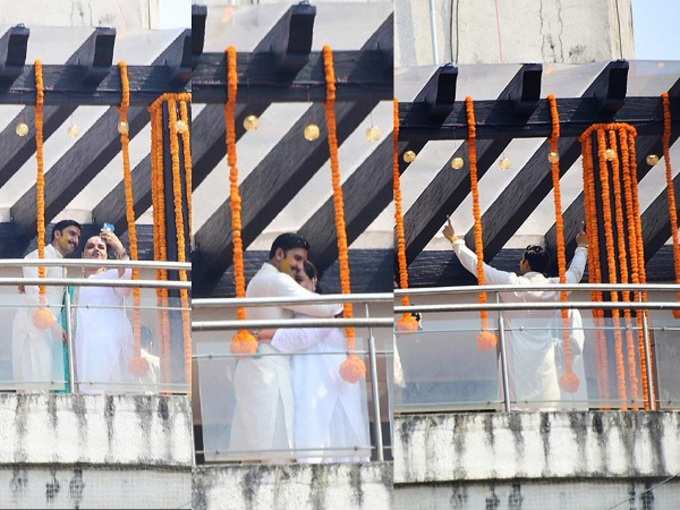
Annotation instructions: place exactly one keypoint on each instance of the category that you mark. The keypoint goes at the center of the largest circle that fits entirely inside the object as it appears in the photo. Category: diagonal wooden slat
(656, 225)
(17, 150)
(531, 184)
(90, 154)
(449, 188)
(366, 192)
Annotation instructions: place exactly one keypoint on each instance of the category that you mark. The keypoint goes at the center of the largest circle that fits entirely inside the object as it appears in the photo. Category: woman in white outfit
(103, 335)
(330, 417)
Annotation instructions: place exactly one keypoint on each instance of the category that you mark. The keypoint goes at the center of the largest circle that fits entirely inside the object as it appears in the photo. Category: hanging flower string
(486, 340)
(670, 189)
(243, 342)
(138, 365)
(43, 318)
(186, 148)
(623, 259)
(180, 229)
(160, 241)
(407, 322)
(569, 381)
(353, 368)
(595, 272)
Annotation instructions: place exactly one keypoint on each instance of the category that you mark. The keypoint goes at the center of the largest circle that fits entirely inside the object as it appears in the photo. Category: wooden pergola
(282, 68)
(519, 111)
(88, 77)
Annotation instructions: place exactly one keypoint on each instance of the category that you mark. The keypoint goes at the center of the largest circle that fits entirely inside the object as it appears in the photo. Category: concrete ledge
(540, 495)
(27, 486)
(531, 445)
(295, 486)
(95, 429)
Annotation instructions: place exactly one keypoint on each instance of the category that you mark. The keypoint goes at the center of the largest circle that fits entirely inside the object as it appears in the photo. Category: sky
(656, 26)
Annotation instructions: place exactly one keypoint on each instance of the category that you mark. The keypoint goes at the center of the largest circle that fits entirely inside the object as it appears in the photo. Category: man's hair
(61, 225)
(288, 241)
(537, 258)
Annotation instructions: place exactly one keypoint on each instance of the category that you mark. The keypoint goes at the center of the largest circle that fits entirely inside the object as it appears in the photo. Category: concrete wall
(298, 487)
(95, 451)
(53, 429)
(491, 31)
(594, 494)
(532, 445)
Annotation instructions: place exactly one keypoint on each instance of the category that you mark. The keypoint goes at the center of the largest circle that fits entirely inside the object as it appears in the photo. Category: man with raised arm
(263, 417)
(531, 336)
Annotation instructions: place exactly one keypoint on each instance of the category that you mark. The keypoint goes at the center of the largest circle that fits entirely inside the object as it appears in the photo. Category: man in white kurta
(37, 357)
(263, 416)
(532, 369)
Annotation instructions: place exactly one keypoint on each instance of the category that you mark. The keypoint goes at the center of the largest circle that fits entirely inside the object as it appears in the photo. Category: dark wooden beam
(531, 184)
(199, 13)
(95, 53)
(573, 215)
(656, 225)
(449, 187)
(366, 192)
(292, 45)
(13, 46)
(86, 158)
(270, 186)
(496, 118)
(360, 75)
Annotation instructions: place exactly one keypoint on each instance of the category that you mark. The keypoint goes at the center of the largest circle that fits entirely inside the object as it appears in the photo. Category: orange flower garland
(158, 194)
(670, 189)
(353, 368)
(486, 340)
(243, 341)
(43, 318)
(569, 381)
(160, 246)
(618, 206)
(595, 273)
(407, 322)
(138, 365)
(186, 148)
(634, 262)
(179, 228)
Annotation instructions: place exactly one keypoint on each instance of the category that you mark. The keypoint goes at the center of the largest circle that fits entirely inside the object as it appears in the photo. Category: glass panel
(440, 367)
(31, 359)
(283, 407)
(664, 334)
(104, 319)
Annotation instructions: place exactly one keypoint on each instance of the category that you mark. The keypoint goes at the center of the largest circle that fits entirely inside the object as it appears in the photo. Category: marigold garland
(407, 322)
(353, 368)
(158, 191)
(138, 365)
(594, 273)
(670, 189)
(632, 249)
(623, 258)
(186, 148)
(486, 340)
(568, 381)
(43, 318)
(243, 342)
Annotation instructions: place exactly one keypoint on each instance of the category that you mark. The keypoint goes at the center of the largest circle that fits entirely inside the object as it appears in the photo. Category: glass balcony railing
(288, 402)
(91, 334)
(624, 355)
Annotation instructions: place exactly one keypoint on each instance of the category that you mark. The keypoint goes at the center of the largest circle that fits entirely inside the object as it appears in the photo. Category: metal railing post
(505, 380)
(69, 343)
(648, 359)
(375, 391)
